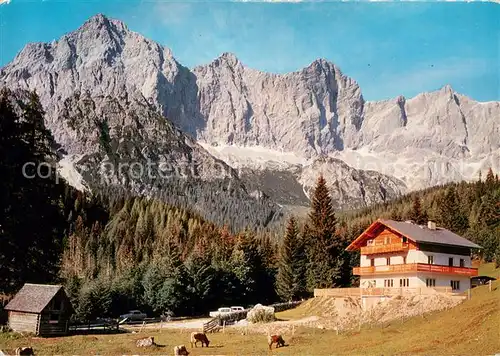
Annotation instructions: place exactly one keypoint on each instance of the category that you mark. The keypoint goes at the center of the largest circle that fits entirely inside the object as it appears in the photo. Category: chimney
(431, 225)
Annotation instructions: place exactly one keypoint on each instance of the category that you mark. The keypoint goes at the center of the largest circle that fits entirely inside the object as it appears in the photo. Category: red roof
(414, 232)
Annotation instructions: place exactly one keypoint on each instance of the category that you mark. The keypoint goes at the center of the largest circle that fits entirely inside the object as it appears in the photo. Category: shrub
(261, 314)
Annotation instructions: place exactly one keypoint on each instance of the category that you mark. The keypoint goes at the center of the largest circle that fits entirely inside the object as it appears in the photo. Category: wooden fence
(105, 325)
(359, 292)
(212, 325)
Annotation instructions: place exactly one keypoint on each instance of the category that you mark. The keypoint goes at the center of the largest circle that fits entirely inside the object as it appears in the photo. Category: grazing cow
(180, 351)
(146, 342)
(199, 337)
(275, 339)
(24, 351)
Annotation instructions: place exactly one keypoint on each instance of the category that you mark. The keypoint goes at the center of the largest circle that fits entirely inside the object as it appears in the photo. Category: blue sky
(390, 49)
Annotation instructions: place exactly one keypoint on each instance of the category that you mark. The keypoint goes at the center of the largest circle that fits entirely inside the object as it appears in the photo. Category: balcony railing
(412, 268)
(395, 247)
(357, 292)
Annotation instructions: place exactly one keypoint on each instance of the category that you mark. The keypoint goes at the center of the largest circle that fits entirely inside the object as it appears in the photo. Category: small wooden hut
(41, 309)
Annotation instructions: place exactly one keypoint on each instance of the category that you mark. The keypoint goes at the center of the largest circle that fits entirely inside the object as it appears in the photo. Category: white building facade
(405, 255)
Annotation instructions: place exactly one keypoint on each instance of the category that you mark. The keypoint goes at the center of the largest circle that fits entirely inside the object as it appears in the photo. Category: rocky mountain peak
(415, 142)
(226, 61)
(447, 89)
(228, 57)
(322, 63)
(100, 21)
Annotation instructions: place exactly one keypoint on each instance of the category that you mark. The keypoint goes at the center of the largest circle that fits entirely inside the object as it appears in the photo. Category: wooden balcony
(357, 292)
(413, 268)
(374, 249)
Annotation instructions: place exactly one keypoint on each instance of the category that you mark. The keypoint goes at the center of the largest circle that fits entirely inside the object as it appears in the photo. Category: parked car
(237, 309)
(219, 312)
(134, 315)
(479, 280)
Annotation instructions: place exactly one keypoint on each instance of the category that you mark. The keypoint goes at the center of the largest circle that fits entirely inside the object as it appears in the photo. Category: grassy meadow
(472, 328)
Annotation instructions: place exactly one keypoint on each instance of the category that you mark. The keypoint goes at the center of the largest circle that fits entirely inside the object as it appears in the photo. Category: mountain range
(251, 142)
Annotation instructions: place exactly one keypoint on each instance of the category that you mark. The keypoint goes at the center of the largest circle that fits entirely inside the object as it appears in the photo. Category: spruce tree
(416, 213)
(324, 247)
(490, 179)
(32, 217)
(450, 215)
(300, 267)
(286, 280)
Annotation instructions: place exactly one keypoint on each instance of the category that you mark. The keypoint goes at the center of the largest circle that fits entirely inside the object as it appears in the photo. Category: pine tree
(490, 179)
(450, 215)
(300, 267)
(201, 283)
(324, 247)
(489, 210)
(416, 213)
(32, 220)
(395, 215)
(322, 216)
(286, 280)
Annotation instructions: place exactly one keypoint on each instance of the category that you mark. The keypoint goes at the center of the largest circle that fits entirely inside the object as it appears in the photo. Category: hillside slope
(470, 328)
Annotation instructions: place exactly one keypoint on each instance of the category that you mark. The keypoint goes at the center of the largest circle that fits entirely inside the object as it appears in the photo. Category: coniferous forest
(115, 252)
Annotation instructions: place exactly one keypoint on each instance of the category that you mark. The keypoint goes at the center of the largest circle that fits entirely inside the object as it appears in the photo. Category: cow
(275, 339)
(24, 351)
(146, 342)
(180, 351)
(199, 337)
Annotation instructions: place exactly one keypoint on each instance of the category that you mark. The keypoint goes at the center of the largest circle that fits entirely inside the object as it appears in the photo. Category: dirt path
(185, 324)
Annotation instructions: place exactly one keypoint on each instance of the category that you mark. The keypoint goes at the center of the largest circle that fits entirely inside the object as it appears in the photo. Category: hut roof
(33, 298)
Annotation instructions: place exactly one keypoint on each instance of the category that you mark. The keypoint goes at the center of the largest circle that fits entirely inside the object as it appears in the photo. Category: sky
(389, 48)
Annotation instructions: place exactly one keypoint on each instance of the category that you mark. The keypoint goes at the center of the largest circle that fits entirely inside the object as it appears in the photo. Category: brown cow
(275, 339)
(180, 351)
(199, 337)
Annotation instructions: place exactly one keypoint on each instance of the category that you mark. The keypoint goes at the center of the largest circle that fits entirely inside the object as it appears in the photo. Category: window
(404, 239)
(372, 262)
(388, 261)
(369, 242)
(53, 318)
(404, 282)
(430, 260)
(388, 283)
(450, 261)
(387, 240)
(455, 285)
(462, 262)
(430, 282)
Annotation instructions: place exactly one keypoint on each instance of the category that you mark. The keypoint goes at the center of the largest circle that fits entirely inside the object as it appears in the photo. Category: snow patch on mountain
(67, 170)
(275, 129)
(256, 157)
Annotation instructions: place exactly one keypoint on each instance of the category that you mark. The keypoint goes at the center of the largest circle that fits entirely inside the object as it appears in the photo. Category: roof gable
(33, 298)
(414, 232)
(421, 233)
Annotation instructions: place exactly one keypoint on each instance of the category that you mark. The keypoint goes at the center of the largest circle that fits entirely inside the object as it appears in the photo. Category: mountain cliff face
(294, 126)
